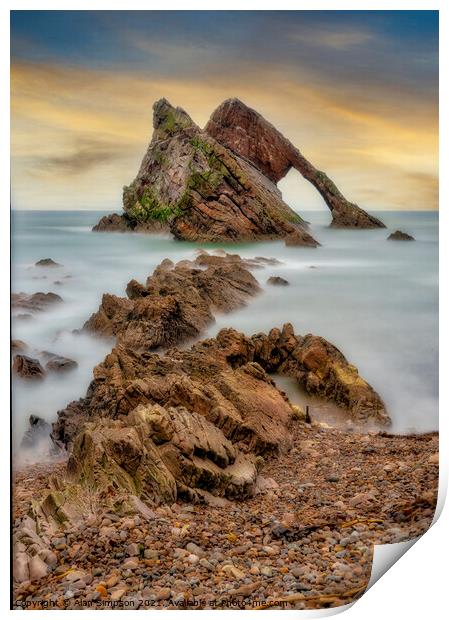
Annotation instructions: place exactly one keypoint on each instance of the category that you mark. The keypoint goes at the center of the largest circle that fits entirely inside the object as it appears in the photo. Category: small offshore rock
(398, 235)
(278, 281)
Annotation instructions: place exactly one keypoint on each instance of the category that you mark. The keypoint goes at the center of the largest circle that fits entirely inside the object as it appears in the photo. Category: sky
(355, 91)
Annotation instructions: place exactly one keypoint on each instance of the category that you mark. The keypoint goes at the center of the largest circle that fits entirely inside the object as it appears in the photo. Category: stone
(398, 235)
(21, 571)
(37, 568)
(277, 281)
(47, 262)
(18, 345)
(36, 302)
(117, 595)
(58, 363)
(164, 594)
(27, 368)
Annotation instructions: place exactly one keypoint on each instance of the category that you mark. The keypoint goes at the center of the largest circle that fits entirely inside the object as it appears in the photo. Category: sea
(376, 300)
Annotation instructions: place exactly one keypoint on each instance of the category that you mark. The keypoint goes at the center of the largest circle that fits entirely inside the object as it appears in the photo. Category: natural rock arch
(245, 132)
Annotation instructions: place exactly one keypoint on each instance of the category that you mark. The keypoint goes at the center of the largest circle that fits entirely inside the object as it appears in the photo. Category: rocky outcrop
(277, 281)
(122, 223)
(59, 363)
(36, 302)
(200, 190)
(176, 303)
(47, 262)
(176, 422)
(27, 367)
(398, 235)
(161, 455)
(246, 133)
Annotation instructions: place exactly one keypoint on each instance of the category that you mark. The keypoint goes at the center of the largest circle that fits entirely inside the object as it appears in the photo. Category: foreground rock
(186, 422)
(27, 367)
(177, 302)
(246, 133)
(36, 302)
(198, 189)
(398, 235)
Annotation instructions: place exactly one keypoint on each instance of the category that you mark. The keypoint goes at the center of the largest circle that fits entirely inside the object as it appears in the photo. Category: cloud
(87, 154)
(340, 40)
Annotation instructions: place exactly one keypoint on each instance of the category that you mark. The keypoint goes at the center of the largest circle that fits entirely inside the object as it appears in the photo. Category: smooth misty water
(375, 300)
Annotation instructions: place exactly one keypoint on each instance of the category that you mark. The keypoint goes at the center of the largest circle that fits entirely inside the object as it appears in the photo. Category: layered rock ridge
(177, 302)
(246, 133)
(187, 422)
(199, 190)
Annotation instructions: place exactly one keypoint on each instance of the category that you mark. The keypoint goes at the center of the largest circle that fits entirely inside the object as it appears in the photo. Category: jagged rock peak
(168, 120)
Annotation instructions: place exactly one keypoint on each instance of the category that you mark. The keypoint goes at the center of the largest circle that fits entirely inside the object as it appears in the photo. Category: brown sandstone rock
(245, 132)
(27, 367)
(177, 302)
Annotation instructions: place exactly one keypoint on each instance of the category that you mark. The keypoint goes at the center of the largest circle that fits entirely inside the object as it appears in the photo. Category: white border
(414, 587)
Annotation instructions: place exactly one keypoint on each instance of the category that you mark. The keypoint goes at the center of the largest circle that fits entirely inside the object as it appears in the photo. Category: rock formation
(177, 302)
(398, 235)
(277, 281)
(47, 262)
(37, 431)
(170, 424)
(246, 133)
(199, 190)
(59, 363)
(27, 367)
(37, 301)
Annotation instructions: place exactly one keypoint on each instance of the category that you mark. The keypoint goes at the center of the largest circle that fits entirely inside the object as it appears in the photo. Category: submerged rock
(37, 301)
(58, 363)
(27, 367)
(47, 262)
(277, 281)
(116, 222)
(398, 235)
(18, 345)
(246, 133)
(200, 190)
(38, 430)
